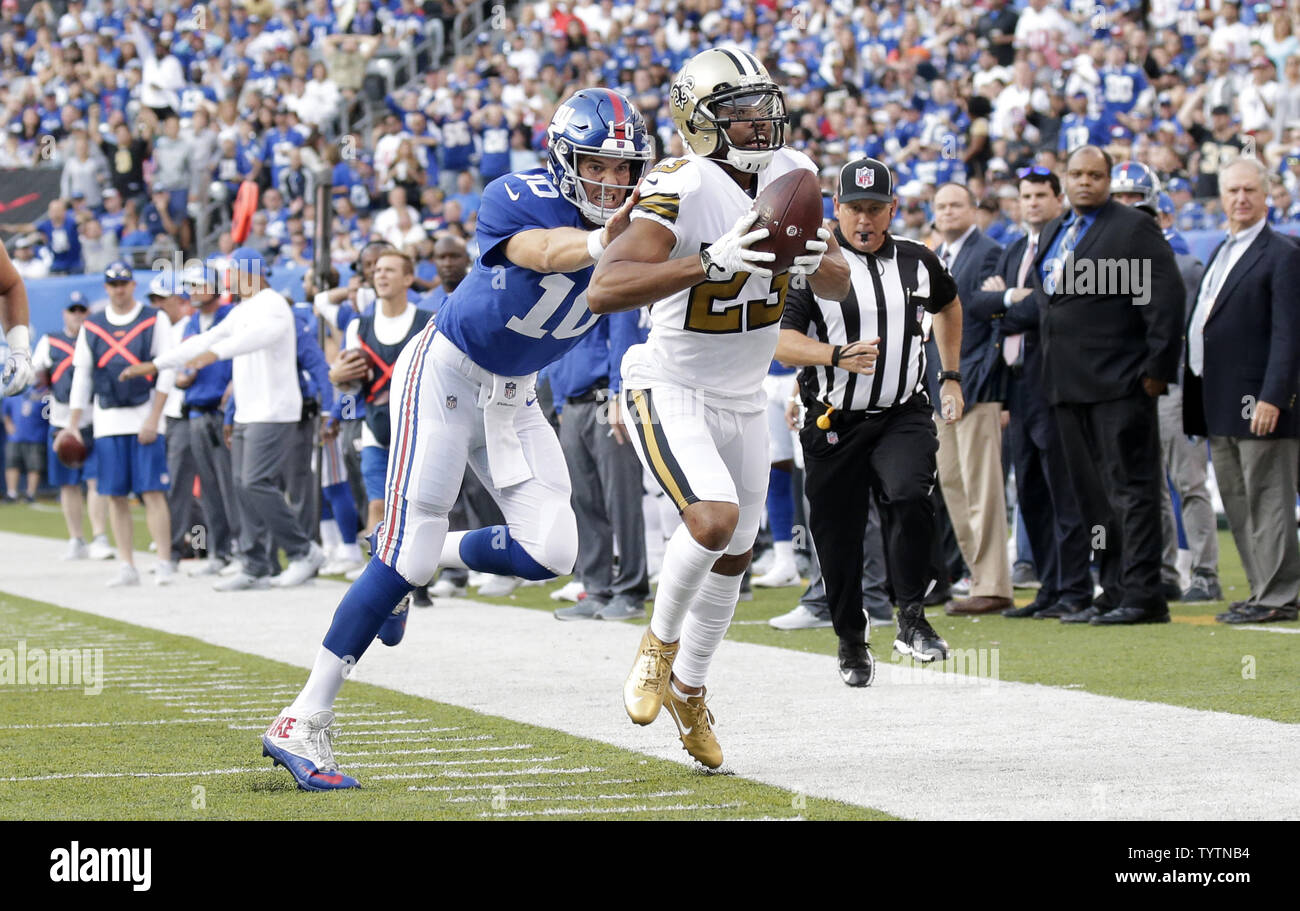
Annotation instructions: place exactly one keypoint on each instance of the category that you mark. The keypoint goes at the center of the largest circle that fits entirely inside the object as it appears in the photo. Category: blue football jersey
(509, 320)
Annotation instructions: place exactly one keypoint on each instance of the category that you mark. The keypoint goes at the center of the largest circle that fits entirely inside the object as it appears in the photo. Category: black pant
(892, 455)
(1112, 451)
(1056, 531)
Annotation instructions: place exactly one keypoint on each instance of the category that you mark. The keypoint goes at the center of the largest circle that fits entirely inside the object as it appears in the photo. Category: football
(791, 209)
(70, 450)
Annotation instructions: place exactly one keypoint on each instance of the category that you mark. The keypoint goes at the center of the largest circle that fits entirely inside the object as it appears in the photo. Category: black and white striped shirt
(891, 291)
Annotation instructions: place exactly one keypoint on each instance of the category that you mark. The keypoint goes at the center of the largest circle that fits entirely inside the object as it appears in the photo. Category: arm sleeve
(799, 308)
(509, 206)
(312, 359)
(261, 331)
(162, 342)
(195, 345)
(41, 354)
(82, 366)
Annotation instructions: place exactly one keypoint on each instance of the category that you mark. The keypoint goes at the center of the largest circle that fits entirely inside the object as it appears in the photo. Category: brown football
(70, 450)
(790, 207)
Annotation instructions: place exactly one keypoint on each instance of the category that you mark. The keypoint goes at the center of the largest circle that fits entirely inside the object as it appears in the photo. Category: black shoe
(1203, 588)
(1058, 610)
(1259, 613)
(1087, 615)
(857, 667)
(916, 637)
(420, 597)
(1126, 616)
(1032, 609)
(1173, 591)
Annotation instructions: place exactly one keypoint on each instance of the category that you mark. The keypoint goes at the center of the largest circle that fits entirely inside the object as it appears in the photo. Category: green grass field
(176, 737)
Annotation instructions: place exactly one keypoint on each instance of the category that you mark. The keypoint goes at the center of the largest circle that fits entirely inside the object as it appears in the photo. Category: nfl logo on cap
(865, 178)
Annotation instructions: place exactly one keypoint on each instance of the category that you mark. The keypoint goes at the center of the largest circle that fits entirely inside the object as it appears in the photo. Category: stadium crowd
(154, 109)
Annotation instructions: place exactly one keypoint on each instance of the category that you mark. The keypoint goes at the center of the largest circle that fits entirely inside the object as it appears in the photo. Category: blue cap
(1119, 132)
(77, 299)
(1164, 205)
(1178, 183)
(248, 260)
(118, 271)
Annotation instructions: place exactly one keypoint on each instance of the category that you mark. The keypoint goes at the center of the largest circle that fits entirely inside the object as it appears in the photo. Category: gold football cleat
(695, 724)
(643, 694)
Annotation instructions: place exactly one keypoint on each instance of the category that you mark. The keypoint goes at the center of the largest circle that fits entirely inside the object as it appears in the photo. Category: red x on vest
(66, 362)
(385, 371)
(119, 347)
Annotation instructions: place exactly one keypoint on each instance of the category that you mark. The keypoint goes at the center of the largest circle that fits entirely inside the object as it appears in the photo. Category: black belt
(838, 418)
(192, 410)
(594, 394)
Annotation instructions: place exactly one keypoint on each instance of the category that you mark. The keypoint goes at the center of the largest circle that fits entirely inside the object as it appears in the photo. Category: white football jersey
(716, 337)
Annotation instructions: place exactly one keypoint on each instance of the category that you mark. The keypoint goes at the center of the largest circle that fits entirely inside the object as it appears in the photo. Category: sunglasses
(1038, 169)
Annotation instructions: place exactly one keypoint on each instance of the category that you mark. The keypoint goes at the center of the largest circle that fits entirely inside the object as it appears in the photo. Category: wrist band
(594, 246)
(835, 355)
(19, 339)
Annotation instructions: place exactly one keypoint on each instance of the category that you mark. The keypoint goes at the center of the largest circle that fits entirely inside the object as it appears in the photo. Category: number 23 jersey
(513, 321)
(715, 337)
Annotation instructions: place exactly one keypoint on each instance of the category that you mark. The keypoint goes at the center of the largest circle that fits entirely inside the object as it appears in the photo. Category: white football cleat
(572, 590)
(233, 568)
(445, 588)
(305, 746)
(778, 576)
(300, 570)
(242, 581)
(499, 586)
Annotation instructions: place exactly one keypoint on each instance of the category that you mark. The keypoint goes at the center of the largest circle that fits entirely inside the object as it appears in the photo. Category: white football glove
(810, 261)
(18, 373)
(730, 253)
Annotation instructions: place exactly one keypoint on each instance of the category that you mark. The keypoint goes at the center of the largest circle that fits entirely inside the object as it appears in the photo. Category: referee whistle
(824, 420)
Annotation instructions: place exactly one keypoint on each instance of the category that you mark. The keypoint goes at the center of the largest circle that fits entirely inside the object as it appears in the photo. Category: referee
(868, 428)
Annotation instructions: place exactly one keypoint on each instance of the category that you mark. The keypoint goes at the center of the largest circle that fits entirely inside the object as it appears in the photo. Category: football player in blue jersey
(462, 392)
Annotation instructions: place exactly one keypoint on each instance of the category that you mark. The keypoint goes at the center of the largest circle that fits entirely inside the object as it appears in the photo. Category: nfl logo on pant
(451, 402)
(510, 390)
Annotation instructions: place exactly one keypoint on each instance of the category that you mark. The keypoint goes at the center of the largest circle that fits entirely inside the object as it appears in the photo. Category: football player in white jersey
(694, 390)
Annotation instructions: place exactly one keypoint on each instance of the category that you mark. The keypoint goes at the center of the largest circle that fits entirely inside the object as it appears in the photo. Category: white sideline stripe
(352, 733)
(1014, 751)
(645, 808)
(458, 774)
(481, 798)
(1270, 629)
(433, 750)
(524, 784)
(66, 775)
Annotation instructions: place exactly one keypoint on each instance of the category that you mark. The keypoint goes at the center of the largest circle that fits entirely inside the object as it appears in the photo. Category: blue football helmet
(1165, 205)
(595, 122)
(1135, 177)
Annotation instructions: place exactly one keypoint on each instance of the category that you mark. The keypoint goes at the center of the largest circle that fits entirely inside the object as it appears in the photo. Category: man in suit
(1184, 460)
(1240, 387)
(970, 449)
(1110, 301)
(1052, 517)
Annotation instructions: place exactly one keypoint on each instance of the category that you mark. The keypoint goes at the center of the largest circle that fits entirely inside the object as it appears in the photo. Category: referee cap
(865, 178)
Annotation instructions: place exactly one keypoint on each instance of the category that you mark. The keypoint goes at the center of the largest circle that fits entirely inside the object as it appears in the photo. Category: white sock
(330, 537)
(327, 676)
(686, 563)
(706, 625)
(451, 551)
(350, 552)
